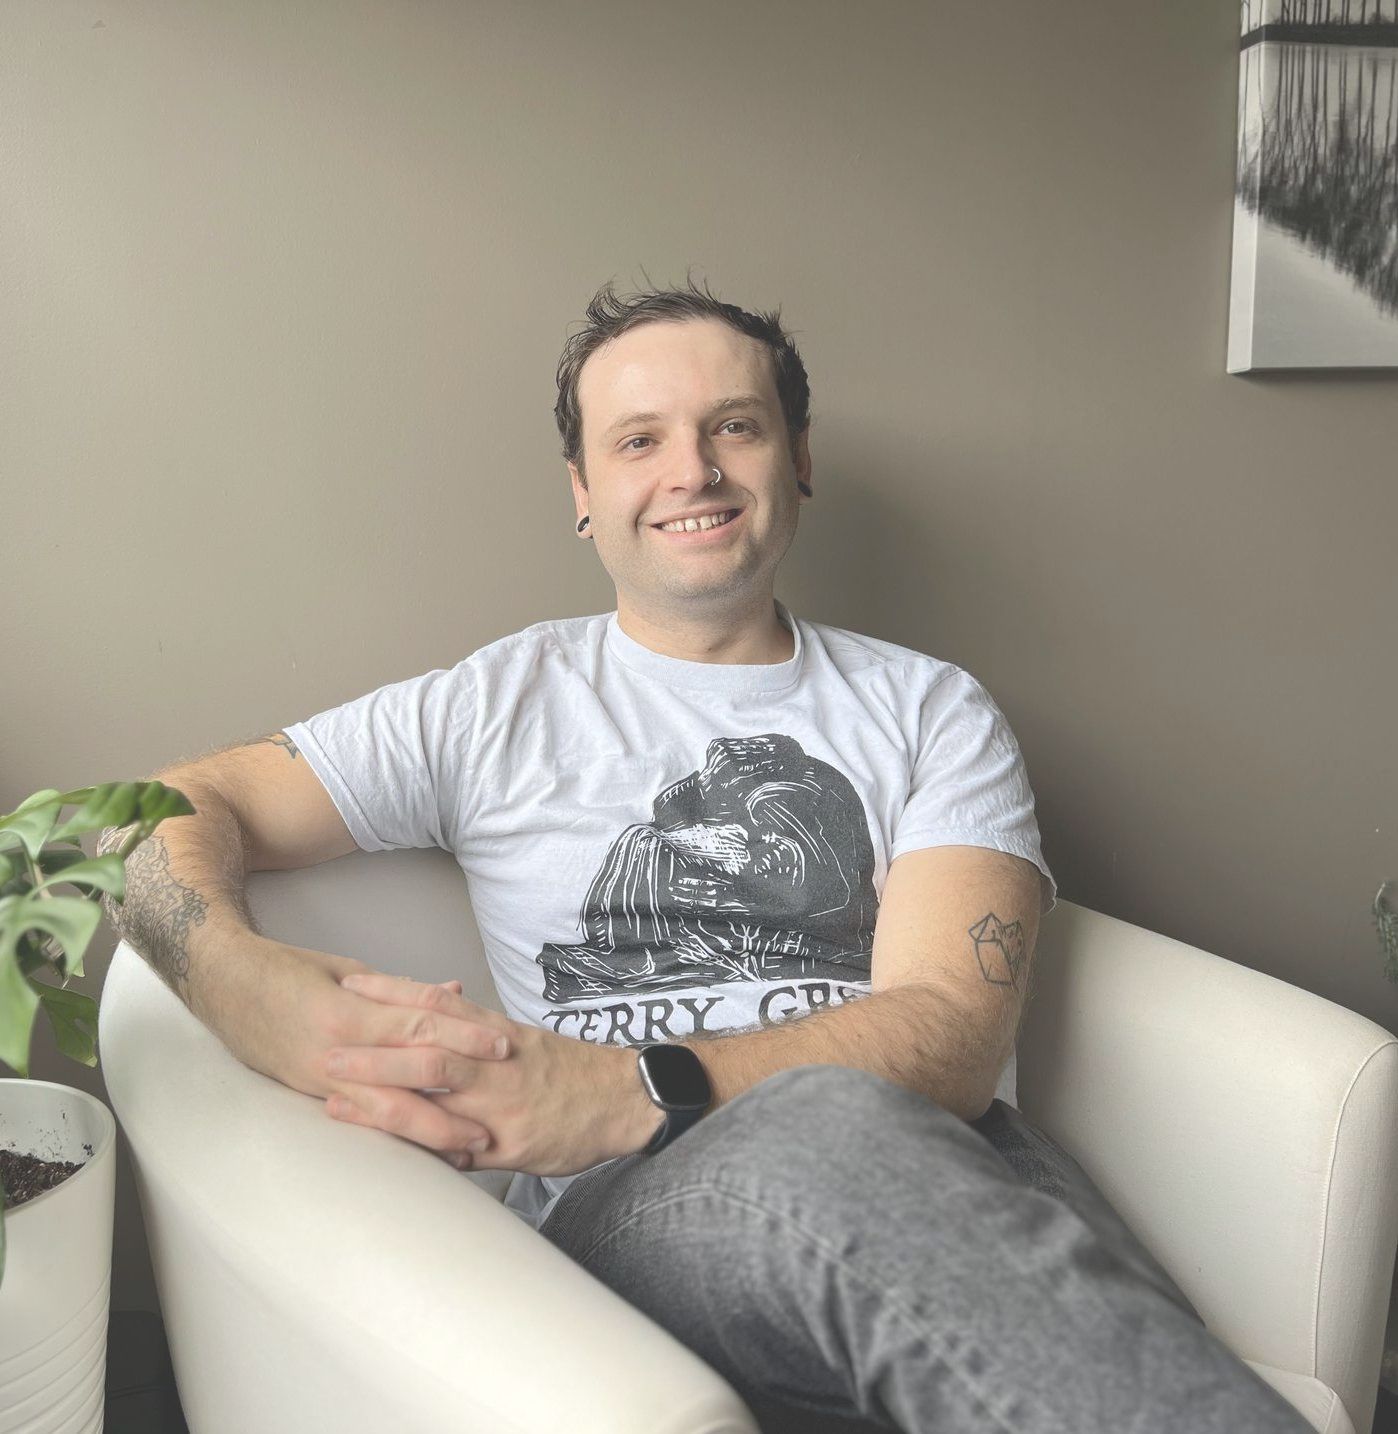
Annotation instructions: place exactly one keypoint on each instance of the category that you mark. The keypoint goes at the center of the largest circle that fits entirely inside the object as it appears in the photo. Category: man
(760, 898)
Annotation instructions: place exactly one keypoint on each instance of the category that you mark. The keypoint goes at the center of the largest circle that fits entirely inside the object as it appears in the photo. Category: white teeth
(695, 525)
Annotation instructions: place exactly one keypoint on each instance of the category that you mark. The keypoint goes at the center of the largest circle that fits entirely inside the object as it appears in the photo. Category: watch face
(677, 1075)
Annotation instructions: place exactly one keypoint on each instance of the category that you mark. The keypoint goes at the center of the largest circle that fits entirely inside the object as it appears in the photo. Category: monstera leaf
(45, 933)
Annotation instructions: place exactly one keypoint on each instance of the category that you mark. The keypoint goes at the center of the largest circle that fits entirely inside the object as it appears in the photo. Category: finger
(409, 1067)
(406, 991)
(489, 1031)
(471, 1144)
(415, 1118)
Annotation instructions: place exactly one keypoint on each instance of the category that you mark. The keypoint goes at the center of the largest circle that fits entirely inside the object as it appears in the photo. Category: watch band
(674, 1125)
(674, 1078)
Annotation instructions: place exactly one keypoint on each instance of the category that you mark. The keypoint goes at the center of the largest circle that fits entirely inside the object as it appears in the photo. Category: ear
(803, 459)
(580, 494)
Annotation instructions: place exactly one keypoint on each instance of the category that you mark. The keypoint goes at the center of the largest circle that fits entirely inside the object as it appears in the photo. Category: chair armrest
(1245, 1129)
(322, 1276)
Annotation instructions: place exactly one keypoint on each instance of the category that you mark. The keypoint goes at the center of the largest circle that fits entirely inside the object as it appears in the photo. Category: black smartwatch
(675, 1079)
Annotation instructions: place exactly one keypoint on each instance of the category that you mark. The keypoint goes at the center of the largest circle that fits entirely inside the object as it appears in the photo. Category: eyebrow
(737, 400)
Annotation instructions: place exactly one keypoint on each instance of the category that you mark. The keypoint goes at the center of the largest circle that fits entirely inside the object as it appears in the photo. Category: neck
(752, 635)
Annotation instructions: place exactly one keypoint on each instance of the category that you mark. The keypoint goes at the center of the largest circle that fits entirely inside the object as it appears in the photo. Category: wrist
(223, 972)
(633, 1115)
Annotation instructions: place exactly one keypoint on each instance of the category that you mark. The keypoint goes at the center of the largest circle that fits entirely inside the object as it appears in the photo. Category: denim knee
(808, 1128)
(827, 1081)
(806, 1097)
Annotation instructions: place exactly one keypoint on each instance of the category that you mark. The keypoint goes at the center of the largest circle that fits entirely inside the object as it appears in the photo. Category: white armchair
(317, 1276)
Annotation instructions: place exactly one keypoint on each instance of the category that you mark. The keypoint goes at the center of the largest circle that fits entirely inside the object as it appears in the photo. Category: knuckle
(454, 1147)
(506, 1151)
(422, 1029)
(340, 1020)
(332, 1023)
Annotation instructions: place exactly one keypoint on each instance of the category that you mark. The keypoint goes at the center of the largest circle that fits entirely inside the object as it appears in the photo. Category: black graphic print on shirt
(757, 868)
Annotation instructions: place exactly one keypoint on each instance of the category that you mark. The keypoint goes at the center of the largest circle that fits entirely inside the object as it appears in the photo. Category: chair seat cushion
(1317, 1403)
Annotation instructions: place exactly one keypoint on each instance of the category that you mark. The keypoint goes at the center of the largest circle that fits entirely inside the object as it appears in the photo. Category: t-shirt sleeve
(969, 785)
(395, 761)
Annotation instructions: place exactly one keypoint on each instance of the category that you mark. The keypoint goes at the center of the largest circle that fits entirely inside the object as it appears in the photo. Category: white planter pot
(56, 1290)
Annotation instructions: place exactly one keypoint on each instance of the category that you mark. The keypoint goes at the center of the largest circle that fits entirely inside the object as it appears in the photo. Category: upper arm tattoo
(999, 950)
(279, 739)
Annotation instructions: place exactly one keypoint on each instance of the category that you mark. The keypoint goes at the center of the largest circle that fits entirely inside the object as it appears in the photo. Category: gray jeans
(852, 1257)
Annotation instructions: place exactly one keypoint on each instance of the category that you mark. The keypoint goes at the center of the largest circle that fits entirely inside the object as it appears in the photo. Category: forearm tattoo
(159, 911)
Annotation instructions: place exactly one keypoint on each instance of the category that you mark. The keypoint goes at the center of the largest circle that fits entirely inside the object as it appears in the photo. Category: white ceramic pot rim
(106, 1123)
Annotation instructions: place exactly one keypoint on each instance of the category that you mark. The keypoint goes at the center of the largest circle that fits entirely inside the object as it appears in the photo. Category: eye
(641, 438)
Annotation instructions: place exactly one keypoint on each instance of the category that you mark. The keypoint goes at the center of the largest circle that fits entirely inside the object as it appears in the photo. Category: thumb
(451, 985)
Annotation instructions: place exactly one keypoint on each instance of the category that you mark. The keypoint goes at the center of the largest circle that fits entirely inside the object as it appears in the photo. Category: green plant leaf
(18, 999)
(73, 1017)
(72, 919)
(36, 799)
(112, 804)
(69, 849)
(32, 954)
(159, 801)
(118, 804)
(108, 873)
(42, 931)
(32, 820)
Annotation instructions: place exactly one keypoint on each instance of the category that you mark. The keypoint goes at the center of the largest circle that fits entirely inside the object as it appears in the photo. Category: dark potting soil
(25, 1176)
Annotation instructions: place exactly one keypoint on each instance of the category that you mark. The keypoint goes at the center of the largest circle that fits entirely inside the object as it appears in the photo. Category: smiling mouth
(729, 516)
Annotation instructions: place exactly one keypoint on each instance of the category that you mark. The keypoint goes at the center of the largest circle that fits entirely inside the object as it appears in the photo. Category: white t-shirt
(654, 846)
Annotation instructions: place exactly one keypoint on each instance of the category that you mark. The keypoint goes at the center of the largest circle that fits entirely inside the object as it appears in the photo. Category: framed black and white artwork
(1315, 214)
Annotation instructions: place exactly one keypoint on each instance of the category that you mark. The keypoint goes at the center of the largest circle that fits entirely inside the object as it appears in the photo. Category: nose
(698, 475)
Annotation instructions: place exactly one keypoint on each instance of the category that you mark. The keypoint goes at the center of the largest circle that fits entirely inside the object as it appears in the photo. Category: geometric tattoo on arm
(999, 949)
(280, 740)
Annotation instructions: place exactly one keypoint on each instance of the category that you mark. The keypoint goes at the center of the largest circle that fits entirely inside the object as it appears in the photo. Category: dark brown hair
(608, 316)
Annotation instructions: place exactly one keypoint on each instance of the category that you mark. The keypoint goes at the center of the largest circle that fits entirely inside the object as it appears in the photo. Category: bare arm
(258, 807)
(278, 1008)
(953, 945)
(186, 894)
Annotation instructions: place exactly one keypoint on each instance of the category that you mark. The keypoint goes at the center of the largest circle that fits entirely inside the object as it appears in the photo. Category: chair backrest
(404, 912)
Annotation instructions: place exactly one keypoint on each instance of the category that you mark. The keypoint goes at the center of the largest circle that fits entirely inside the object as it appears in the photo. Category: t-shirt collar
(718, 677)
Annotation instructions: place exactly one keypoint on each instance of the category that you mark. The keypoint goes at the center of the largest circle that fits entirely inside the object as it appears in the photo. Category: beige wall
(285, 286)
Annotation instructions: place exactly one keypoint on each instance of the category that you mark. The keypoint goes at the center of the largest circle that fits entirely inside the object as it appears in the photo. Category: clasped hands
(545, 1103)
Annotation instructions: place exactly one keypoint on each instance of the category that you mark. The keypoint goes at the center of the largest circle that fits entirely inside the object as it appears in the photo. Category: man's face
(646, 470)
